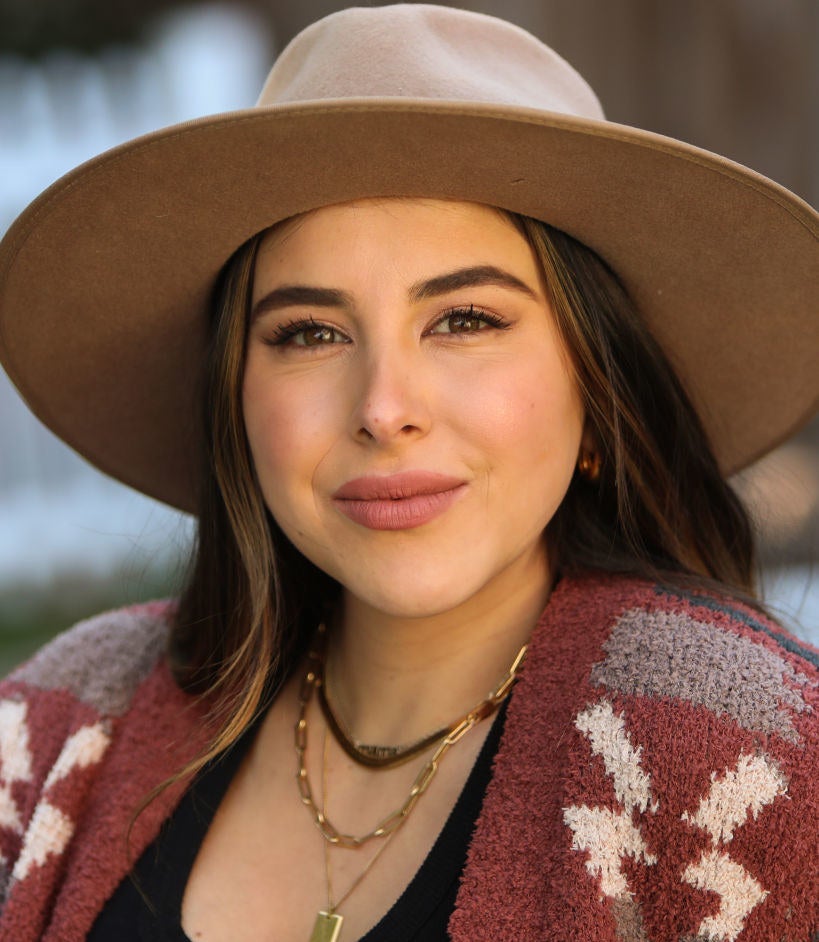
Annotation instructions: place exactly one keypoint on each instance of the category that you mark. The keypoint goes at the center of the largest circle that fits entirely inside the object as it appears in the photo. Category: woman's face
(411, 411)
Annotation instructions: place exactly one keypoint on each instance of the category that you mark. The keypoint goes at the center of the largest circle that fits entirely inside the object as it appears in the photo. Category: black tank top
(147, 905)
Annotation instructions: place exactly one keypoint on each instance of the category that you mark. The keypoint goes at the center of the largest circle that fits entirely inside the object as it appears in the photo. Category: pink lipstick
(398, 501)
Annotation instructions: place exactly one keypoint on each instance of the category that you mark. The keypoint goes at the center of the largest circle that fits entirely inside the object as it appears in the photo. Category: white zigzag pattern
(608, 836)
(608, 738)
(49, 833)
(739, 892)
(50, 829)
(739, 794)
(15, 760)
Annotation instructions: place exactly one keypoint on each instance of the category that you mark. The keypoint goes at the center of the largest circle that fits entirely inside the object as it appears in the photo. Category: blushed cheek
(268, 431)
(288, 434)
(522, 413)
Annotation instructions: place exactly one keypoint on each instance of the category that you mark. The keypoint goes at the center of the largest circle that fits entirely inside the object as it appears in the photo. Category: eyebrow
(473, 277)
(300, 296)
(308, 296)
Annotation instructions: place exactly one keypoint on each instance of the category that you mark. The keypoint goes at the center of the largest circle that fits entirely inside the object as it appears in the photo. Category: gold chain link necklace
(379, 756)
(328, 922)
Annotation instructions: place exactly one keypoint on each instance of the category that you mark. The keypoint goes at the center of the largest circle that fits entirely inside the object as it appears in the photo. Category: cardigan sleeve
(58, 713)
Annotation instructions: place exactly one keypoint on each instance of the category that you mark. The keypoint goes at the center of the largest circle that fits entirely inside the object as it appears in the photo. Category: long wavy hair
(660, 508)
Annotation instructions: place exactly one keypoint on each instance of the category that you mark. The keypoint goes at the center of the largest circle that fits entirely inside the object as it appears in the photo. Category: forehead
(396, 231)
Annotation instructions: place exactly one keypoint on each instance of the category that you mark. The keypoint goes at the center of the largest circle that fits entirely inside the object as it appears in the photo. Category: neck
(394, 678)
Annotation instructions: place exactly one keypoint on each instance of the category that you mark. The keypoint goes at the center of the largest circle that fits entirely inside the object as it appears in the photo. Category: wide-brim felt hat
(105, 278)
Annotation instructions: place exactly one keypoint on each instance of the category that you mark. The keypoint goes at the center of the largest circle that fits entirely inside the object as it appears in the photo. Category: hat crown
(423, 51)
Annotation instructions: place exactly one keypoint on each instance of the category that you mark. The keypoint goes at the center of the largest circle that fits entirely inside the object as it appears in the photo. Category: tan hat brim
(104, 280)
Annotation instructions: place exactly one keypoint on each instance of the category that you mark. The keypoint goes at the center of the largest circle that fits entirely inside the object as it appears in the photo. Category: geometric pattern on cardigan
(655, 780)
(50, 829)
(608, 836)
(67, 699)
(684, 777)
(102, 660)
(57, 667)
(671, 654)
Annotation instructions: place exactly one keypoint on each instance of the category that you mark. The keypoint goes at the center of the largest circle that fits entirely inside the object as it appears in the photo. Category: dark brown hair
(660, 508)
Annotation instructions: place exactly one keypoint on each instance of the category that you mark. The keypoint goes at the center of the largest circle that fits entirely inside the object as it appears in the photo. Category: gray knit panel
(101, 661)
(670, 654)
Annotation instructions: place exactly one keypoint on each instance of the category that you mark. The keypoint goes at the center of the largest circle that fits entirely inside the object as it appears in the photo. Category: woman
(443, 455)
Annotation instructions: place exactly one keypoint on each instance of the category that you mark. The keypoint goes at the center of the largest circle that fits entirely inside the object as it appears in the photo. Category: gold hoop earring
(588, 465)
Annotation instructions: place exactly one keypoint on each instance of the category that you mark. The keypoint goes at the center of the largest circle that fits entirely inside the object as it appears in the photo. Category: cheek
(284, 433)
(532, 412)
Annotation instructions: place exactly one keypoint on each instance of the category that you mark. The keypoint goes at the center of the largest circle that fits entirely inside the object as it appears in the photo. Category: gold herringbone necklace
(372, 756)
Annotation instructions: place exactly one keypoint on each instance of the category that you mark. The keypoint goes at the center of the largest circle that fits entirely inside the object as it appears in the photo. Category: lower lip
(404, 514)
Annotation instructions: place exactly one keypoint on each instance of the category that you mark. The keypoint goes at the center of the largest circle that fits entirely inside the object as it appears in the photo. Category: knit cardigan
(656, 780)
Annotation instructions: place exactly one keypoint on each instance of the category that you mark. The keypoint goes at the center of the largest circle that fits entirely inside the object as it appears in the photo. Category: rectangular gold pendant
(327, 927)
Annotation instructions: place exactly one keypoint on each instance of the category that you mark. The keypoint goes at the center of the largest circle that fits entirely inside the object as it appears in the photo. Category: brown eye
(467, 321)
(306, 333)
(462, 322)
(314, 336)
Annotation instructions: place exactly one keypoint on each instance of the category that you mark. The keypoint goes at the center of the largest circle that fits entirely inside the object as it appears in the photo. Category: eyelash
(486, 317)
(283, 334)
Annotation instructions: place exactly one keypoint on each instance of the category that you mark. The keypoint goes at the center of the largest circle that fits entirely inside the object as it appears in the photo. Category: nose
(393, 399)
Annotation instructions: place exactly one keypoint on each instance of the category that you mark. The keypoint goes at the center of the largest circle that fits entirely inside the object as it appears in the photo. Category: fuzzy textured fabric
(657, 779)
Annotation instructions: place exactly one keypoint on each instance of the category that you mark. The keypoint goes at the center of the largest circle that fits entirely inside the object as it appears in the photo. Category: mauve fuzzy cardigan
(656, 780)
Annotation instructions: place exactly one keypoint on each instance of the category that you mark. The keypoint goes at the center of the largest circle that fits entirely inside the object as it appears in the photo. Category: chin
(408, 599)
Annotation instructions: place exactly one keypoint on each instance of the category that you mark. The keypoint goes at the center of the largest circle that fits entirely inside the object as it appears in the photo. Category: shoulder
(100, 661)
(705, 649)
(689, 659)
(671, 641)
(697, 730)
(58, 710)
(88, 727)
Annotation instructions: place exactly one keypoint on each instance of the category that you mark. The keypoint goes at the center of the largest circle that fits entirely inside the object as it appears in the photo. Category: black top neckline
(146, 907)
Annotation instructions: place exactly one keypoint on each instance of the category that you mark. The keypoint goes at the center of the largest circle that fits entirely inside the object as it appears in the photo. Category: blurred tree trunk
(740, 77)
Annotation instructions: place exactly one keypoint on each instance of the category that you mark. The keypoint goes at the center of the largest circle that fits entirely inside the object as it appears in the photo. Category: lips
(399, 501)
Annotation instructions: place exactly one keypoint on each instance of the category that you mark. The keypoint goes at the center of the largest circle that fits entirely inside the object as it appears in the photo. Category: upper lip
(396, 486)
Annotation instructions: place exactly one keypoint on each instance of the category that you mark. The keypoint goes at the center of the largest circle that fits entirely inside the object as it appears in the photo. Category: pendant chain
(333, 904)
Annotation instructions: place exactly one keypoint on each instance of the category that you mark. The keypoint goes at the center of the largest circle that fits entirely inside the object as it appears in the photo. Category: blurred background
(740, 77)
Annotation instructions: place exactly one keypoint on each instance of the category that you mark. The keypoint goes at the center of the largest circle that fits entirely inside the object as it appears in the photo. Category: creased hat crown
(421, 52)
